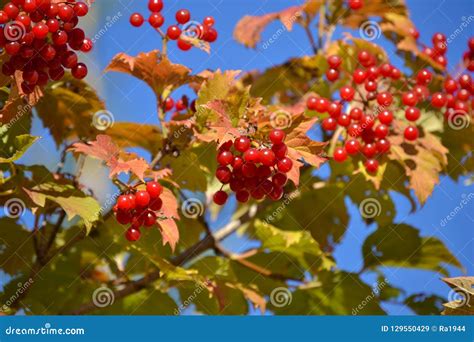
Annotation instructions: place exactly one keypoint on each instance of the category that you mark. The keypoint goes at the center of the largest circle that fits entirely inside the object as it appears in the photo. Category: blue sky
(130, 100)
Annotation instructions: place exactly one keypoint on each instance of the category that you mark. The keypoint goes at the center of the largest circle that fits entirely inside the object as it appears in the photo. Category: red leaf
(170, 233)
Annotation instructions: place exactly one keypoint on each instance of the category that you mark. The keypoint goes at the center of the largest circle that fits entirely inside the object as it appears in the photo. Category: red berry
(60, 38)
(183, 45)
(356, 114)
(344, 120)
(450, 86)
(220, 197)
(136, 19)
(383, 146)
(173, 32)
(79, 71)
(41, 30)
(237, 163)
(438, 38)
(384, 99)
(423, 77)
(252, 155)
(154, 189)
(81, 9)
(414, 32)
(142, 199)
(65, 13)
(242, 144)
(412, 113)
(208, 21)
(411, 133)
(381, 131)
(225, 158)
(370, 85)
(149, 219)
(334, 61)
(335, 109)
(347, 93)
(11, 10)
(280, 150)
(396, 74)
(332, 74)
(209, 35)
(329, 124)
(352, 146)
(438, 100)
(267, 157)
(242, 196)
(465, 81)
(285, 165)
(249, 170)
(223, 174)
(183, 16)
(155, 5)
(132, 234)
(371, 165)
(156, 204)
(369, 150)
(276, 194)
(279, 179)
(386, 70)
(126, 202)
(321, 105)
(277, 136)
(385, 117)
(364, 57)
(156, 19)
(356, 4)
(123, 217)
(359, 76)
(409, 98)
(340, 154)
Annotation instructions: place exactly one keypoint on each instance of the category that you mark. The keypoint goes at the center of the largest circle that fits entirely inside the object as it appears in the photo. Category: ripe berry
(359, 76)
(276, 194)
(321, 105)
(249, 170)
(132, 234)
(371, 165)
(356, 113)
(156, 204)
(123, 217)
(155, 5)
(79, 71)
(173, 32)
(149, 219)
(381, 131)
(279, 179)
(411, 133)
(334, 109)
(356, 4)
(334, 61)
(11, 10)
(409, 98)
(347, 93)
(126, 202)
(369, 150)
(329, 124)
(237, 163)
(285, 165)
(220, 197)
(352, 146)
(142, 199)
(370, 85)
(156, 20)
(267, 157)
(154, 189)
(208, 21)
(242, 144)
(252, 155)
(344, 120)
(41, 30)
(183, 16)
(332, 74)
(438, 38)
(65, 13)
(183, 45)
(424, 77)
(209, 35)
(384, 99)
(136, 19)
(242, 196)
(450, 85)
(383, 146)
(280, 150)
(225, 158)
(223, 174)
(412, 113)
(438, 100)
(340, 154)
(277, 136)
(385, 117)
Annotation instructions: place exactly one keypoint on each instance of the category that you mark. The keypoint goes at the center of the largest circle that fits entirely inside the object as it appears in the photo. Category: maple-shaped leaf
(249, 29)
(169, 232)
(423, 160)
(462, 298)
(220, 128)
(153, 68)
(170, 204)
(103, 148)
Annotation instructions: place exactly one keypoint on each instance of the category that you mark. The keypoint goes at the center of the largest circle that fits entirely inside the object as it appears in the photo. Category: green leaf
(187, 170)
(16, 247)
(402, 246)
(20, 145)
(423, 304)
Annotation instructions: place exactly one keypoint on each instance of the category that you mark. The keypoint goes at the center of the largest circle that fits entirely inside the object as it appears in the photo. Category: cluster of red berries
(139, 209)
(40, 37)
(457, 97)
(468, 56)
(179, 106)
(355, 4)
(438, 52)
(183, 29)
(253, 172)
